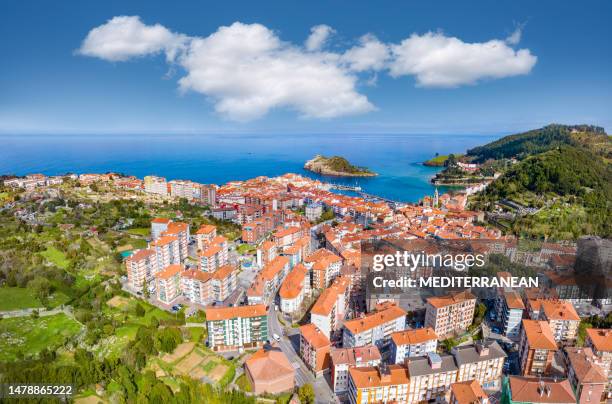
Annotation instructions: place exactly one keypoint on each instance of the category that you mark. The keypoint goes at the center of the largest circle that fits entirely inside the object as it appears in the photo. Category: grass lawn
(56, 257)
(243, 383)
(30, 336)
(196, 334)
(145, 231)
(17, 298)
(245, 249)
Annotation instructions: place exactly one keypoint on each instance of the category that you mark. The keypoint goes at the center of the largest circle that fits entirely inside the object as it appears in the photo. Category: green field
(17, 298)
(56, 257)
(145, 231)
(29, 336)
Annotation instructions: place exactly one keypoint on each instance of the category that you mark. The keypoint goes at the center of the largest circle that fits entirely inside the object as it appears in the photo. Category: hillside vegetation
(547, 138)
(564, 177)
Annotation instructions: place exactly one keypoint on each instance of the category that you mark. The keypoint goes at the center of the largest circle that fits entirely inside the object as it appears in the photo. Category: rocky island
(336, 166)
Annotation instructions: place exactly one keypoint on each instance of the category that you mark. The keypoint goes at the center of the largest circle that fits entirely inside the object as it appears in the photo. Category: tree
(306, 394)
(139, 310)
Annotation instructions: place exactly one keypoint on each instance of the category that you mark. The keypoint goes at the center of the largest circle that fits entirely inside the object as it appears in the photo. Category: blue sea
(221, 158)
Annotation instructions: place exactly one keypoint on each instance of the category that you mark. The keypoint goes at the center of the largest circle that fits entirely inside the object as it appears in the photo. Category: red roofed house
(468, 392)
(269, 371)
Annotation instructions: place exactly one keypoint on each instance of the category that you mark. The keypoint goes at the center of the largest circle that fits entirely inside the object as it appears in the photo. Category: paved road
(289, 345)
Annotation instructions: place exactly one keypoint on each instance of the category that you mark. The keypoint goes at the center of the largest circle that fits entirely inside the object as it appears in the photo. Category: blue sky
(384, 66)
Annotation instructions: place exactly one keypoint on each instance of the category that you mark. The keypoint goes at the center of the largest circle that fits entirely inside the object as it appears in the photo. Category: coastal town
(284, 291)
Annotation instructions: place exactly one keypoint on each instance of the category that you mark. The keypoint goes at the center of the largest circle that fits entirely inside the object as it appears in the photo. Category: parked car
(276, 337)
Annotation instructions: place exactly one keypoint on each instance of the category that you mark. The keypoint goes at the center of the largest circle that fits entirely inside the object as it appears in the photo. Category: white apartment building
(141, 267)
(184, 189)
(155, 185)
(385, 384)
(232, 328)
(167, 250)
(330, 308)
(562, 318)
(158, 226)
(412, 343)
(512, 309)
(293, 290)
(450, 314)
(481, 361)
(375, 328)
(343, 359)
(168, 283)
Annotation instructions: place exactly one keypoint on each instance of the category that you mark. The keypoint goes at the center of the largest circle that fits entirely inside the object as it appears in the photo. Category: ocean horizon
(217, 159)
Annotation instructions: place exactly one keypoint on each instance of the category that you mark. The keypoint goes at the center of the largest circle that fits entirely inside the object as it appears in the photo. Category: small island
(336, 166)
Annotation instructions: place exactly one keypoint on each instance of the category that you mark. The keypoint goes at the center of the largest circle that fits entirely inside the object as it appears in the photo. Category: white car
(276, 337)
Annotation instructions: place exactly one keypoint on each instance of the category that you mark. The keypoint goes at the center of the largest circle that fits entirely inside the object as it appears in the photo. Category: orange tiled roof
(559, 310)
(227, 313)
(269, 364)
(539, 335)
(195, 274)
(210, 251)
(416, 336)
(164, 240)
(468, 392)
(390, 313)
(206, 229)
(293, 283)
(314, 336)
(368, 377)
(177, 227)
(140, 255)
(448, 300)
(601, 338)
(223, 272)
(169, 271)
(528, 390)
(161, 220)
(513, 300)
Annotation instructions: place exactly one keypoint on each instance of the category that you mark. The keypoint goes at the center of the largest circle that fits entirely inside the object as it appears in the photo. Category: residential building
(330, 308)
(343, 359)
(141, 266)
(468, 392)
(430, 377)
(168, 283)
(179, 230)
(197, 286)
(412, 343)
(314, 211)
(167, 250)
(562, 318)
(266, 253)
(213, 257)
(287, 236)
(268, 281)
(587, 378)
(155, 185)
(482, 361)
(324, 266)
(294, 289)
(184, 189)
(512, 309)
(384, 384)
(314, 349)
(158, 226)
(269, 371)
(223, 282)
(600, 341)
(537, 348)
(233, 328)
(536, 390)
(208, 194)
(204, 236)
(374, 328)
(450, 314)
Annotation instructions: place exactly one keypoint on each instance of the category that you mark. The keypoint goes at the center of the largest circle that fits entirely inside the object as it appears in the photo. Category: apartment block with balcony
(600, 341)
(374, 328)
(482, 361)
(562, 318)
(196, 286)
(343, 359)
(155, 185)
(179, 230)
(383, 384)
(167, 250)
(537, 348)
(587, 378)
(412, 343)
(512, 310)
(431, 377)
(294, 289)
(205, 235)
(168, 284)
(450, 314)
(468, 392)
(141, 267)
(315, 349)
(234, 328)
(158, 226)
(330, 308)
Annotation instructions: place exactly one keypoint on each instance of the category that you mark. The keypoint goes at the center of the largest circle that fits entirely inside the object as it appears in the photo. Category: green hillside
(571, 188)
(540, 140)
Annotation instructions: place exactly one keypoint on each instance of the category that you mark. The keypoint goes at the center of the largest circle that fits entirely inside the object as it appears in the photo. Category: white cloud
(515, 37)
(124, 37)
(370, 54)
(440, 61)
(318, 36)
(248, 71)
